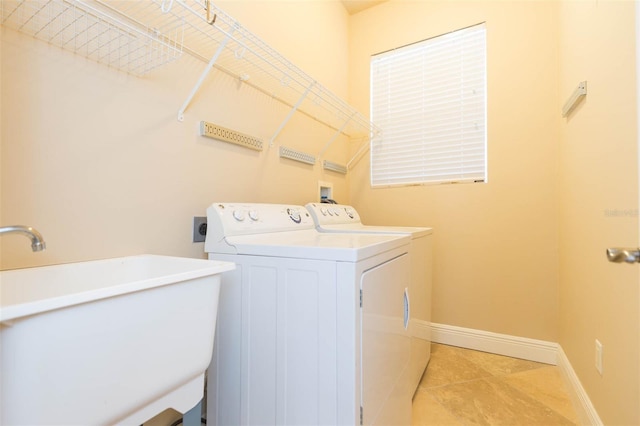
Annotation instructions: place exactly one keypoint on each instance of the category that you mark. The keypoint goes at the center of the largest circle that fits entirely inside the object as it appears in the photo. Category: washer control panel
(333, 214)
(227, 219)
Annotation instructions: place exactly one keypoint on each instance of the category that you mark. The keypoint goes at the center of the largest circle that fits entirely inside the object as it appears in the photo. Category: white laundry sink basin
(113, 341)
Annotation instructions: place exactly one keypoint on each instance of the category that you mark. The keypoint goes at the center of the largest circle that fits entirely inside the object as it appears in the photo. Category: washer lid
(311, 244)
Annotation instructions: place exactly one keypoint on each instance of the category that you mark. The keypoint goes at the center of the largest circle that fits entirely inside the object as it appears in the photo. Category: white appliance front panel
(287, 347)
(275, 351)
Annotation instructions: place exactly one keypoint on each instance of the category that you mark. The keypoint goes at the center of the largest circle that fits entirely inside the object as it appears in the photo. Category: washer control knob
(349, 213)
(238, 215)
(336, 212)
(323, 210)
(294, 214)
(253, 215)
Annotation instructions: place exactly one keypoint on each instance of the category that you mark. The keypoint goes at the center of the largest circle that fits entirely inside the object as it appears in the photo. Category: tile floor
(465, 387)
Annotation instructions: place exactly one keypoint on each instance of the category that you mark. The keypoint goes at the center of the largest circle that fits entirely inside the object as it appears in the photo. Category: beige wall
(96, 160)
(599, 202)
(496, 244)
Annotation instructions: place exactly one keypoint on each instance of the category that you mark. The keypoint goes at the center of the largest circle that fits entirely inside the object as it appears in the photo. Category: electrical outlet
(599, 356)
(199, 229)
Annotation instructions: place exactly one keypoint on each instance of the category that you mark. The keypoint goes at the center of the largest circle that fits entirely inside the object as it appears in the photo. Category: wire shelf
(90, 31)
(139, 36)
(246, 57)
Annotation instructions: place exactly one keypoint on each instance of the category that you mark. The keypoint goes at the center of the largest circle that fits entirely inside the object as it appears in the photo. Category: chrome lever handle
(619, 255)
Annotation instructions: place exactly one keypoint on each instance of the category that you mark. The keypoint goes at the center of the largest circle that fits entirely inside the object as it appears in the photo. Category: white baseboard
(585, 410)
(524, 348)
(501, 344)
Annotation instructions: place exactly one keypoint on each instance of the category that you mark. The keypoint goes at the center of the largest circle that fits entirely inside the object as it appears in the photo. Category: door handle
(619, 255)
(407, 308)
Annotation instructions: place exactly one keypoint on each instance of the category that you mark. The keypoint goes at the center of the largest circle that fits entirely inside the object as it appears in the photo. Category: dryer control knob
(238, 215)
(323, 211)
(349, 213)
(253, 215)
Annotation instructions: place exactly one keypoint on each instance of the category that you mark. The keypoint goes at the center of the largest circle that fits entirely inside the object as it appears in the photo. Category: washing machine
(312, 327)
(337, 218)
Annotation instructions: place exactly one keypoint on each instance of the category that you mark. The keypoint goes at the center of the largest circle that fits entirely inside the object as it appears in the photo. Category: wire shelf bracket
(335, 135)
(204, 75)
(291, 112)
(359, 154)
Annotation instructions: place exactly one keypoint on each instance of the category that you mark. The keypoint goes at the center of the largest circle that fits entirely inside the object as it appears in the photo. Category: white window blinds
(429, 98)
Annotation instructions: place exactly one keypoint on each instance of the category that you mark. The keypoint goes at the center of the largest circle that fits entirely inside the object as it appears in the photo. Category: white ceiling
(355, 6)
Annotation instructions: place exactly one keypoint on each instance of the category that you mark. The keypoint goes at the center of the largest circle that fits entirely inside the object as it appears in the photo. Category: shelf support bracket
(204, 74)
(293, 110)
(335, 136)
(364, 148)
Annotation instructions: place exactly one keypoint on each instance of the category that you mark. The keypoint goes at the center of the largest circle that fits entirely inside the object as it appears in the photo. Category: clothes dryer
(338, 218)
(312, 327)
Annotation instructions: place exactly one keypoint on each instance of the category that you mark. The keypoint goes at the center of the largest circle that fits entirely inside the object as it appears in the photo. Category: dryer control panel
(333, 214)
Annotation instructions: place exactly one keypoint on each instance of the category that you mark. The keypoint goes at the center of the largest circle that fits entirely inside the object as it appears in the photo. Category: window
(429, 99)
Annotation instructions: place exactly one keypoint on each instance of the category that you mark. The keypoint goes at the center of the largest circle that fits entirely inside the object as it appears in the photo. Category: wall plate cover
(199, 228)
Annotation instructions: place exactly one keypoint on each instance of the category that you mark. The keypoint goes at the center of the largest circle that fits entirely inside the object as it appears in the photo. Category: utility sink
(112, 341)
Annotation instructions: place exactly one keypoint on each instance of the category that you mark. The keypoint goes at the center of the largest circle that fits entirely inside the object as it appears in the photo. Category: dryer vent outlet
(199, 229)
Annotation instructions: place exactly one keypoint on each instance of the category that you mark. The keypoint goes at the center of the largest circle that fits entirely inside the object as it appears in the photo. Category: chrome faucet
(37, 242)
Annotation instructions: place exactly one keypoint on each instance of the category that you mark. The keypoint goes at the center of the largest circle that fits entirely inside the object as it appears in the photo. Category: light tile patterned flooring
(463, 387)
